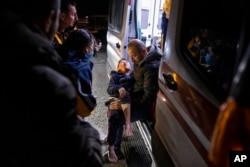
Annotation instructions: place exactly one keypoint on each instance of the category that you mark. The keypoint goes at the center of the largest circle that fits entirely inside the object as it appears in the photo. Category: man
(39, 125)
(146, 66)
(67, 19)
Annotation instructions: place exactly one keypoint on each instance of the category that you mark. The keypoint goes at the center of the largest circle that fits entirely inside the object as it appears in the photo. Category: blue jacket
(117, 81)
(82, 68)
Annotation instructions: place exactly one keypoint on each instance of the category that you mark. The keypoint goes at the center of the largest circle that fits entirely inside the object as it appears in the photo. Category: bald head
(136, 50)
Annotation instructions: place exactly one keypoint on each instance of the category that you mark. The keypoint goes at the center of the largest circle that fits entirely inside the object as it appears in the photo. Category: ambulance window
(116, 15)
(144, 18)
(210, 33)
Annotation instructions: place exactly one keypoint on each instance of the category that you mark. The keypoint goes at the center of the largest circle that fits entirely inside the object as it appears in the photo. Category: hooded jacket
(146, 78)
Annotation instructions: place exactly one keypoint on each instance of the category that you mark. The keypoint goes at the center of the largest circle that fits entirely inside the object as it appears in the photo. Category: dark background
(96, 11)
(92, 7)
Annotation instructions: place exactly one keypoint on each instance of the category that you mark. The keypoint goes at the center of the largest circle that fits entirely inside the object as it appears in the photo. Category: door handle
(118, 45)
(170, 82)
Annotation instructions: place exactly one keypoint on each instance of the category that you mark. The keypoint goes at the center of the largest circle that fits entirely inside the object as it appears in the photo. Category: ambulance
(129, 19)
(205, 42)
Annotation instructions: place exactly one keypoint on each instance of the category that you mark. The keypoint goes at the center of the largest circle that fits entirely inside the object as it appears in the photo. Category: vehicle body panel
(188, 101)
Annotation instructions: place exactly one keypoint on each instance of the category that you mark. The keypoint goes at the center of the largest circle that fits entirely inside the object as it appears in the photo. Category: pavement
(134, 149)
(99, 88)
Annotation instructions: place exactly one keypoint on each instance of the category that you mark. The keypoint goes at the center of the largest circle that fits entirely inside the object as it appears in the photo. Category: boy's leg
(119, 140)
(115, 121)
(127, 114)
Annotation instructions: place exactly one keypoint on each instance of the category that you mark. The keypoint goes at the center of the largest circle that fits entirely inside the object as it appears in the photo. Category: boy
(120, 85)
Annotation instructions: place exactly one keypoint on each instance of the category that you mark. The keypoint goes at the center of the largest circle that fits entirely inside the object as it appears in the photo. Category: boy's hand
(122, 92)
(115, 105)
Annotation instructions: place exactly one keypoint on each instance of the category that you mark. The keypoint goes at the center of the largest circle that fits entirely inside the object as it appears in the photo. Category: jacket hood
(154, 53)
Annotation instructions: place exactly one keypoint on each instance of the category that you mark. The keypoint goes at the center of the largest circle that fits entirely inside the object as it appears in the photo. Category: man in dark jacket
(39, 125)
(146, 66)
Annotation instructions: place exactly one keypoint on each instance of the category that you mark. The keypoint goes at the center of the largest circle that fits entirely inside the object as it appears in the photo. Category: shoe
(119, 154)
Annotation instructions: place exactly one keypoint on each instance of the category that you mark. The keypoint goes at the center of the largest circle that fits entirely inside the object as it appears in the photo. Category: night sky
(92, 7)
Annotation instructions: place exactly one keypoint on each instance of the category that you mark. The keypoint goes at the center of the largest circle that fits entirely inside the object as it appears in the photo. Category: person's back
(39, 126)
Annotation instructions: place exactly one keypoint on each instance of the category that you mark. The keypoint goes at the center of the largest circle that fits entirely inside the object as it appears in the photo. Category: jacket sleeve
(85, 78)
(113, 86)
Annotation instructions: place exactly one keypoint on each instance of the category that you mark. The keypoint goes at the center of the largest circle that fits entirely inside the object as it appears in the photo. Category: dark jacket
(39, 125)
(146, 78)
(118, 80)
(78, 64)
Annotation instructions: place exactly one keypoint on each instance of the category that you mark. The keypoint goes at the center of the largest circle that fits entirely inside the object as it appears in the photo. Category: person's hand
(122, 92)
(115, 105)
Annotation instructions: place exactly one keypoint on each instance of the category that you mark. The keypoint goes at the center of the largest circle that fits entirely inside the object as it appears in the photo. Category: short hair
(137, 44)
(65, 5)
(78, 39)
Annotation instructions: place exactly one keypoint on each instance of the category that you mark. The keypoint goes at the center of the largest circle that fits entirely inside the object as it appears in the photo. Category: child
(77, 51)
(119, 86)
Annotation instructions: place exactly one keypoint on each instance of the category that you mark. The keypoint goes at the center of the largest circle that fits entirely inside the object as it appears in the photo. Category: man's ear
(144, 52)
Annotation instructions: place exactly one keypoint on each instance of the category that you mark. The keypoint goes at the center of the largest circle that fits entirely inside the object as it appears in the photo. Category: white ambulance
(129, 19)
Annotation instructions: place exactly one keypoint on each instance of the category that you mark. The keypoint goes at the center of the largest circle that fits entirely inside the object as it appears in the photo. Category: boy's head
(123, 66)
